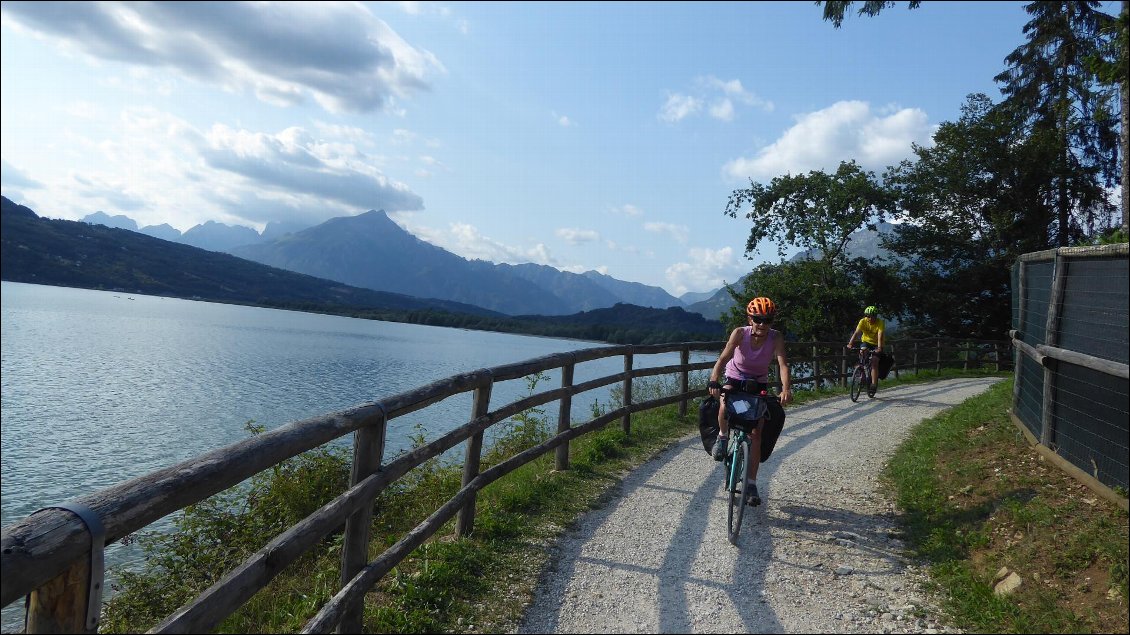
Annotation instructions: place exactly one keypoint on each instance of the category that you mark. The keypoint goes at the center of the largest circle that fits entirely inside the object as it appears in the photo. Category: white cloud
(734, 89)
(12, 176)
(707, 269)
(723, 110)
(292, 162)
(678, 232)
(161, 169)
(337, 53)
(577, 236)
(563, 120)
(721, 95)
(679, 107)
(627, 210)
(466, 240)
(844, 131)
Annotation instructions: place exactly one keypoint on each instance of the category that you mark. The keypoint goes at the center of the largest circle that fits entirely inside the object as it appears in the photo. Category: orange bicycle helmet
(762, 307)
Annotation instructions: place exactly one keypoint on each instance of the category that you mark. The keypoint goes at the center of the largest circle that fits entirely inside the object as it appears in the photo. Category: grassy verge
(477, 584)
(977, 498)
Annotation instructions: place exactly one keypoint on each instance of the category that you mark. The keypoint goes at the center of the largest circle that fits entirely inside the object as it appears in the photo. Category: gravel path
(821, 555)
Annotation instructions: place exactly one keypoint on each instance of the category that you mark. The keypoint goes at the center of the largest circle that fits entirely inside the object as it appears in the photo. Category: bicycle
(861, 376)
(739, 453)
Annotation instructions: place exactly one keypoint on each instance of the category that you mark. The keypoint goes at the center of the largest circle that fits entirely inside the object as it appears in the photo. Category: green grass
(976, 497)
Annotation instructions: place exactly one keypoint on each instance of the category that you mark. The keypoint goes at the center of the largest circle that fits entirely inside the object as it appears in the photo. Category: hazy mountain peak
(119, 221)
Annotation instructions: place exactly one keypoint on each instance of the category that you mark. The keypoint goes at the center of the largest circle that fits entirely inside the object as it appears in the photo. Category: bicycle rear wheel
(857, 381)
(737, 490)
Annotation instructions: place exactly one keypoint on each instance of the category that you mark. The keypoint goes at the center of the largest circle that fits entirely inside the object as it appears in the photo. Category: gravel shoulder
(821, 555)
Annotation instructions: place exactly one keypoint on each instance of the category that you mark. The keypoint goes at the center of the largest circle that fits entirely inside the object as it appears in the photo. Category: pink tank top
(750, 364)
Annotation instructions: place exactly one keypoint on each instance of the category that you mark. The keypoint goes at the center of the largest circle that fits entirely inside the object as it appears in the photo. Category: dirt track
(822, 555)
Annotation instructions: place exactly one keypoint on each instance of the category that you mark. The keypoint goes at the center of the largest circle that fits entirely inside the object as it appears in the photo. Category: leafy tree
(1111, 65)
(975, 201)
(834, 10)
(1052, 82)
(819, 212)
(1067, 78)
(815, 303)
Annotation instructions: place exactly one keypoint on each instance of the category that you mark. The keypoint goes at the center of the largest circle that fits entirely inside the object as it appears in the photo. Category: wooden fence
(818, 364)
(1072, 378)
(54, 556)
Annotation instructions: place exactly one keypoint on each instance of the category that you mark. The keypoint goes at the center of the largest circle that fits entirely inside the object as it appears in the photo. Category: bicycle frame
(738, 458)
(861, 375)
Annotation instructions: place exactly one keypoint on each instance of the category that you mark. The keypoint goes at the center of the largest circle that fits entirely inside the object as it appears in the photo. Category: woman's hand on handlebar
(713, 388)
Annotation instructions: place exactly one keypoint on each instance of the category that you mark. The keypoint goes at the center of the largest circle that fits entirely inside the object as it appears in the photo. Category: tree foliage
(834, 10)
(1003, 180)
(973, 203)
(1053, 83)
(817, 211)
(815, 302)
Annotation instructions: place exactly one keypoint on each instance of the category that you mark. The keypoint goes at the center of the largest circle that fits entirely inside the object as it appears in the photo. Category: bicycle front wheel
(737, 490)
(857, 381)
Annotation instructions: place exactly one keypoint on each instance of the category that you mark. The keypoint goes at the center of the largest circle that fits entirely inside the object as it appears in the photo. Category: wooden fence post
(564, 415)
(626, 423)
(684, 378)
(465, 523)
(938, 366)
(1059, 281)
(368, 453)
(916, 358)
(71, 602)
(815, 369)
(843, 367)
(60, 605)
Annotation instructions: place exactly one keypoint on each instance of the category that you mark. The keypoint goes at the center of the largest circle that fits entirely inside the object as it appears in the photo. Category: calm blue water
(99, 387)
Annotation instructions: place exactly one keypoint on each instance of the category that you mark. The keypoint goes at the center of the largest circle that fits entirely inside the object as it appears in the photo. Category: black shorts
(746, 385)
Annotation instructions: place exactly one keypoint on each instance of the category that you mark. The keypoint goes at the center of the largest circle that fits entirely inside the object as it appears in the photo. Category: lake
(99, 387)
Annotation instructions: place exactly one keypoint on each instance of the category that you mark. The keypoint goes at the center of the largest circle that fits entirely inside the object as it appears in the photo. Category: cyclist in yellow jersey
(870, 333)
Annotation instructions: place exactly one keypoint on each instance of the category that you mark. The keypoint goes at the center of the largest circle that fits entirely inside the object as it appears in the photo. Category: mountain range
(84, 255)
(371, 251)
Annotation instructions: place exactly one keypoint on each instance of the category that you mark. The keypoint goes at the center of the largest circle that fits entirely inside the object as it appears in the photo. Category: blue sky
(599, 135)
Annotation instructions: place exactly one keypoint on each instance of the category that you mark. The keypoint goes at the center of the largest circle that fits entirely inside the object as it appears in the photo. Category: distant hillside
(212, 236)
(576, 292)
(371, 251)
(863, 244)
(76, 254)
(634, 292)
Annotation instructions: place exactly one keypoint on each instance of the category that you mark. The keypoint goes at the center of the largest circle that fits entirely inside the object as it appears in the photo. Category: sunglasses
(759, 319)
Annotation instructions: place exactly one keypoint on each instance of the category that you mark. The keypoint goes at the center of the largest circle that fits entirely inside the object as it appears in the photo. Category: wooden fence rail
(48, 556)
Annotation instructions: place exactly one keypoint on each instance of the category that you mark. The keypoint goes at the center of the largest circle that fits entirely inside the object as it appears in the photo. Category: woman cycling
(870, 332)
(745, 360)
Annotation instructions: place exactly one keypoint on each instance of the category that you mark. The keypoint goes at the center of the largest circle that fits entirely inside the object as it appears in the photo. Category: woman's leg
(755, 453)
(723, 422)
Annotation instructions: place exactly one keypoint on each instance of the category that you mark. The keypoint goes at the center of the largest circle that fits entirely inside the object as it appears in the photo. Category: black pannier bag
(754, 408)
(708, 422)
(886, 361)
